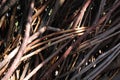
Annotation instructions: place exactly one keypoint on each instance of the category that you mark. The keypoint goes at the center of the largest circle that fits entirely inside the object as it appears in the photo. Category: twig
(3, 69)
(6, 7)
(44, 62)
(67, 35)
(104, 55)
(9, 57)
(42, 30)
(67, 52)
(81, 14)
(100, 40)
(41, 10)
(23, 46)
(35, 35)
(101, 8)
(46, 46)
(106, 62)
(24, 71)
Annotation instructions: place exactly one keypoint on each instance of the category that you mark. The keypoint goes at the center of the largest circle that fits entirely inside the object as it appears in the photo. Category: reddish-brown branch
(23, 46)
(45, 61)
(91, 29)
(81, 14)
(41, 10)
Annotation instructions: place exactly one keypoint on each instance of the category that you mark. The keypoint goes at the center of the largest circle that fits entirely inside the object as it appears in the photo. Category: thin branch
(23, 46)
(44, 62)
(81, 14)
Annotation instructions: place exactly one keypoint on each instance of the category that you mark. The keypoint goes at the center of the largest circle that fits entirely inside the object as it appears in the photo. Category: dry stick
(71, 47)
(106, 38)
(114, 7)
(101, 8)
(93, 49)
(2, 20)
(101, 38)
(24, 71)
(113, 16)
(114, 65)
(12, 46)
(81, 14)
(41, 10)
(44, 62)
(96, 41)
(108, 32)
(56, 38)
(62, 68)
(9, 57)
(72, 65)
(103, 35)
(46, 46)
(107, 19)
(35, 35)
(33, 21)
(63, 57)
(24, 56)
(92, 44)
(111, 11)
(3, 69)
(87, 14)
(104, 64)
(38, 22)
(87, 56)
(116, 73)
(23, 46)
(37, 25)
(99, 59)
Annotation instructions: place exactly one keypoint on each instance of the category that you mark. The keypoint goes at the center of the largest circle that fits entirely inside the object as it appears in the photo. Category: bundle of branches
(59, 39)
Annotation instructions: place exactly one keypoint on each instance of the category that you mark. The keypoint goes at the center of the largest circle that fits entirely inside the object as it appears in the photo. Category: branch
(23, 46)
